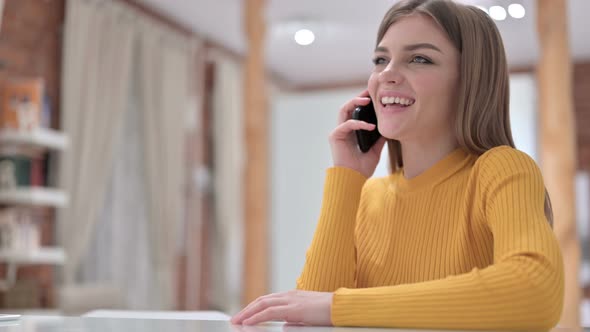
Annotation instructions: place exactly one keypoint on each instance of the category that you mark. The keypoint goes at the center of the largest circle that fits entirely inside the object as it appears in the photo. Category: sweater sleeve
(331, 258)
(523, 288)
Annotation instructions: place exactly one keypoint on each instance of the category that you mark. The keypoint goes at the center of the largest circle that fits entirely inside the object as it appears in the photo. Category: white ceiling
(345, 33)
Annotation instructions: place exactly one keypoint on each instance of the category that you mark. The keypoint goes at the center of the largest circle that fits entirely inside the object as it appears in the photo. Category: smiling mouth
(396, 102)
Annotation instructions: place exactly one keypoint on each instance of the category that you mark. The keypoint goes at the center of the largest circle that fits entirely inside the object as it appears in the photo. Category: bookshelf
(33, 196)
(43, 255)
(40, 143)
(14, 259)
(43, 138)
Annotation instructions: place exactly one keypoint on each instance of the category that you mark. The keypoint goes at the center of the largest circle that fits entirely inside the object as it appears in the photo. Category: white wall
(300, 154)
(523, 118)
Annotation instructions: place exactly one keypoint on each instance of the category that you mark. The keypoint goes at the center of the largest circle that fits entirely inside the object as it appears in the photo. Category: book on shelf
(19, 231)
(21, 171)
(21, 102)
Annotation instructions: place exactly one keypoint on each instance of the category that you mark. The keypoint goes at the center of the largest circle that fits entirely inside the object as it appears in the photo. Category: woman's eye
(420, 59)
(379, 61)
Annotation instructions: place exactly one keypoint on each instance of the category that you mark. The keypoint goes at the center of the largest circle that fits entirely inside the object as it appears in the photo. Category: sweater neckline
(438, 172)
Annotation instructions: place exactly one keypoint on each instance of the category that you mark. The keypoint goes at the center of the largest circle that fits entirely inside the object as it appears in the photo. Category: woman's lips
(394, 108)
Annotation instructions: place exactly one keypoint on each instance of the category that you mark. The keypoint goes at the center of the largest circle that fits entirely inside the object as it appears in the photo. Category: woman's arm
(330, 263)
(331, 259)
(522, 290)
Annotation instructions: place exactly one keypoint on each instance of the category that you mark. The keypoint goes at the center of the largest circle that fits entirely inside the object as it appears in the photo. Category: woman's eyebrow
(411, 47)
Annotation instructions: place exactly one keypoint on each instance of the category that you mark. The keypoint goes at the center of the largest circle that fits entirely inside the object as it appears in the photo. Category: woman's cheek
(372, 87)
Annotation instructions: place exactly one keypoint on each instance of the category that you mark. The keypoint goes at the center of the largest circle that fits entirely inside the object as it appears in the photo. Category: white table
(174, 315)
(103, 324)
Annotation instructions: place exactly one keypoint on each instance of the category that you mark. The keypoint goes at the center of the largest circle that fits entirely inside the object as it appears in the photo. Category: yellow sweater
(464, 245)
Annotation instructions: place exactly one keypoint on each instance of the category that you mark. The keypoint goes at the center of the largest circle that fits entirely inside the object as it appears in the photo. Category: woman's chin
(390, 132)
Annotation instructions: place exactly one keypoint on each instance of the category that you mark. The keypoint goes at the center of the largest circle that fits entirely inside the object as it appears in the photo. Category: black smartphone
(366, 139)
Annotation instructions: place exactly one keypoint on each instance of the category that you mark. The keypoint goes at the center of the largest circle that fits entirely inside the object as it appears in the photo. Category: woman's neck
(418, 156)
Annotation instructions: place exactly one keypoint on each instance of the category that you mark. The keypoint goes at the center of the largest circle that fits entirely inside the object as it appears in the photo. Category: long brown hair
(482, 119)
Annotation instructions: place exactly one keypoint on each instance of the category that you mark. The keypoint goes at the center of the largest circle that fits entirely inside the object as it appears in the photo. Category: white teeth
(396, 100)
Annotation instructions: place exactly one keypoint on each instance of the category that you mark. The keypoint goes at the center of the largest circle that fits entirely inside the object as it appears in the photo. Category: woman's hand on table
(300, 307)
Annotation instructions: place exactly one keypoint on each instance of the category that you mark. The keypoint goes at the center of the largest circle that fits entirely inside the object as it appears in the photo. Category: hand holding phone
(345, 145)
(365, 138)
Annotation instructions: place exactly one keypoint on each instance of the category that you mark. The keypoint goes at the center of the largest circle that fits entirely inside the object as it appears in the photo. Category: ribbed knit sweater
(464, 245)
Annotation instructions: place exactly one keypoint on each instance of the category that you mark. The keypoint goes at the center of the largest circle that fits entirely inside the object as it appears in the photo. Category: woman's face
(414, 81)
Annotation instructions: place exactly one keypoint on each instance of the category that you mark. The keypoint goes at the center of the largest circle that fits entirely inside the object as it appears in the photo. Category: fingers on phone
(358, 125)
(344, 129)
(348, 108)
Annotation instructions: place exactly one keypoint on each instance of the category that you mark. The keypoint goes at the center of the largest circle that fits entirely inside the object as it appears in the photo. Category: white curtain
(133, 231)
(96, 72)
(164, 98)
(228, 141)
(118, 254)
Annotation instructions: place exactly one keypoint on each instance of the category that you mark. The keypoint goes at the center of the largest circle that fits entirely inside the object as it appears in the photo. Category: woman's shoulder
(504, 155)
(505, 161)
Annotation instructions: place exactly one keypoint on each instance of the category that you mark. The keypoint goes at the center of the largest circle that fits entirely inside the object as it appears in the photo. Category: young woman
(459, 235)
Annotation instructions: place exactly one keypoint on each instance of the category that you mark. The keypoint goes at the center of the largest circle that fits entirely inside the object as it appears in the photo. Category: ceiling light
(516, 10)
(304, 37)
(498, 13)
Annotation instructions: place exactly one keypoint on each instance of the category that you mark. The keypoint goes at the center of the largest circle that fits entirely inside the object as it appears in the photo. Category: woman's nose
(391, 74)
